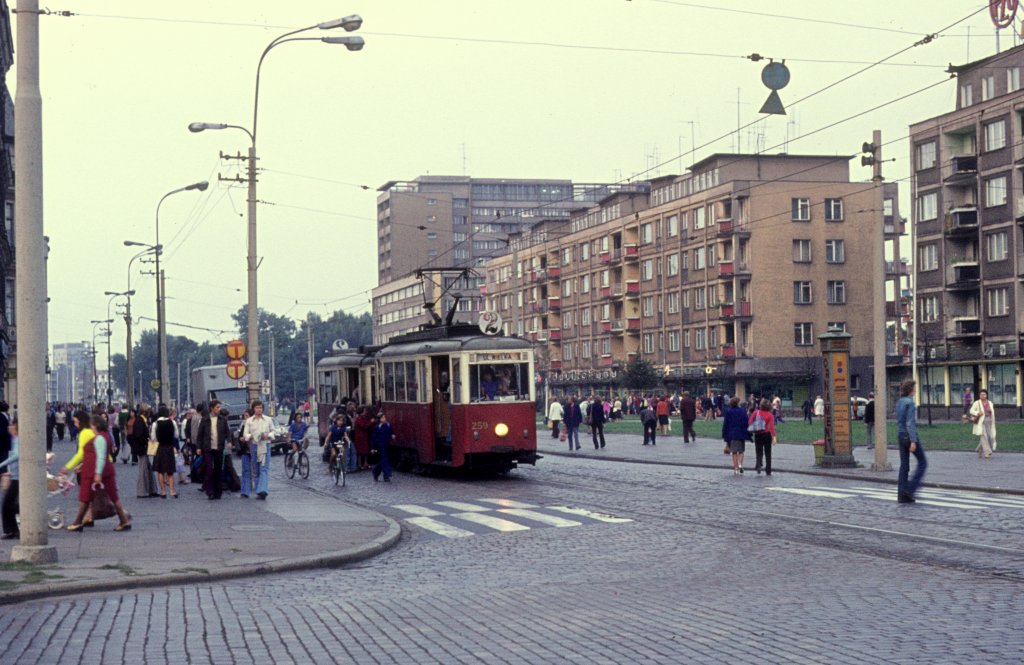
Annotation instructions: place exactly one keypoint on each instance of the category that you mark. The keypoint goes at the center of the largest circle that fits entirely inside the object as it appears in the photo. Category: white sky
(122, 80)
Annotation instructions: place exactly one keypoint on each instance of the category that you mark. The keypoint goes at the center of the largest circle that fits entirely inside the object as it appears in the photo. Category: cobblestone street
(588, 561)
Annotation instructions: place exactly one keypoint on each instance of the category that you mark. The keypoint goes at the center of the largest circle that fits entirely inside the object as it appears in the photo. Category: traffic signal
(871, 154)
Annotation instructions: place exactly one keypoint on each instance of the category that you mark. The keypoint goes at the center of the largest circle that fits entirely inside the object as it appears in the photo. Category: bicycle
(300, 464)
(337, 464)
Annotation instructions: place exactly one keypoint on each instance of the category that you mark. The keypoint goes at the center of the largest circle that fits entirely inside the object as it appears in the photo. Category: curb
(367, 550)
(804, 472)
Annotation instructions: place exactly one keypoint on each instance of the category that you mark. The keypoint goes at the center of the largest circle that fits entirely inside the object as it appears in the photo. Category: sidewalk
(193, 540)
(946, 469)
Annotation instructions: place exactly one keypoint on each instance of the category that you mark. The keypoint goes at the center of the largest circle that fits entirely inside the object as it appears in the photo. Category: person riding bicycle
(297, 432)
(337, 436)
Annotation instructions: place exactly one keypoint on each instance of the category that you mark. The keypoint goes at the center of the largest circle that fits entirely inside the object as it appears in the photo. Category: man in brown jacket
(688, 412)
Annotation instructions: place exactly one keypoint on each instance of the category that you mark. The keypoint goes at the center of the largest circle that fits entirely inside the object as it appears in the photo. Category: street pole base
(875, 466)
(34, 554)
(838, 461)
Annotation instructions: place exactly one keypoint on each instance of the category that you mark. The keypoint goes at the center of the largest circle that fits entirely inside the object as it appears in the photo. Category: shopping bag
(102, 506)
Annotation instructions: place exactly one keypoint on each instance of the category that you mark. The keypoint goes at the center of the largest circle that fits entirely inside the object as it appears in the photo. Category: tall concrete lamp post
(127, 295)
(130, 371)
(161, 320)
(349, 24)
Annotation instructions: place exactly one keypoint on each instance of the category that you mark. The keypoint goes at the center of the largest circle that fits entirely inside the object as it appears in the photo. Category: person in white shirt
(257, 433)
(555, 416)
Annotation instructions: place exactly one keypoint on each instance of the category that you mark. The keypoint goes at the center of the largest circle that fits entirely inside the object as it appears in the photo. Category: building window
(585, 316)
(686, 299)
(9, 300)
(646, 234)
(585, 251)
(803, 334)
(995, 191)
(995, 135)
(835, 251)
(673, 340)
(801, 251)
(802, 293)
(1013, 79)
(928, 309)
(988, 87)
(567, 352)
(928, 257)
(966, 95)
(1002, 382)
(566, 256)
(998, 301)
(698, 258)
(673, 264)
(9, 221)
(699, 301)
(701, 336)
(926, 155)
(996, 247)
(927, 207)
(431, 236)
(647, 270)
(836, 294)
(801, 210)
(585, 348)
(672, 223)
(686, 261)
(431, 202)
(686, 339)
(585, 284)
(567, 287)
(837, 325)
(648, 343)
(833, 210)
(673, 302)
(698, 218)
(648, 305)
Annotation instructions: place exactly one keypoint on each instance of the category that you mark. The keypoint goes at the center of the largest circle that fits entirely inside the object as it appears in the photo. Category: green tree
(640, 375)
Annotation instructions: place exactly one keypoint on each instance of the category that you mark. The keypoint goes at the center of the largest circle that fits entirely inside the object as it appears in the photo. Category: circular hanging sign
(775, 75)
(155, 384)
(236, 349)
(235, 369)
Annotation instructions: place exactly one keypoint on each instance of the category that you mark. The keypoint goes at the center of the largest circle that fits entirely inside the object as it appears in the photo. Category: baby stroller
(57, 490)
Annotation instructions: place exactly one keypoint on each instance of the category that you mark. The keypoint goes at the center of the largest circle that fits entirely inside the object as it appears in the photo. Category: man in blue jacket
(597, 421)
(573, 419)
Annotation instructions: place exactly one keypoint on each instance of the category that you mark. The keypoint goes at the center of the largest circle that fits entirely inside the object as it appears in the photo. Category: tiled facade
(969, 240)
(737, 266)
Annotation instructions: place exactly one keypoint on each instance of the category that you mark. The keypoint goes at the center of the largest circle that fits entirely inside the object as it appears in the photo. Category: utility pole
(128, 354)
(30, 291)
(162, 334)
(273, 372)
(873, 158)
(310, 375)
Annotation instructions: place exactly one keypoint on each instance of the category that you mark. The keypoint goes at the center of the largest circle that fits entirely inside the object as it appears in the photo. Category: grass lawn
(940, 436)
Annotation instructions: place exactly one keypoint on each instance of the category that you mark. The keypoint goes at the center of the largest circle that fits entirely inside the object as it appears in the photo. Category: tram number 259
(480, 425)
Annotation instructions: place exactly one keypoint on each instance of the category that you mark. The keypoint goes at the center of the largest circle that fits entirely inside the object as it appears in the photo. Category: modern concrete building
(71, 372)
(722, 278)
(969, 241)
(439, 223)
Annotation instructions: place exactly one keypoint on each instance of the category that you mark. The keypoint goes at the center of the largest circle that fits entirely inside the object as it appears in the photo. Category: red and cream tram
(455, 398)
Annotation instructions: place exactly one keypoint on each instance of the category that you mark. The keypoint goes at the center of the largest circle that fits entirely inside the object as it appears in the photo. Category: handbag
(102, 506)
(151, 448)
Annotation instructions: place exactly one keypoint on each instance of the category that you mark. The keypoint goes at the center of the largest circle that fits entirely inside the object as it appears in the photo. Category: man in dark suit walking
(688, 412)
(214, 439)
(597, 421)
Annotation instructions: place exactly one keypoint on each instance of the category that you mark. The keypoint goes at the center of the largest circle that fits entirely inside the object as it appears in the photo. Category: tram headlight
(501, 429)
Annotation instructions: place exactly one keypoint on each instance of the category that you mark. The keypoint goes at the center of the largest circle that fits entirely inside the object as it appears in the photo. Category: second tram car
(455, 398)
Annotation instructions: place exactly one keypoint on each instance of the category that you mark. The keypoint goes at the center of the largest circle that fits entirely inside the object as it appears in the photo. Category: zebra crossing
(462, 519)
(959, 499)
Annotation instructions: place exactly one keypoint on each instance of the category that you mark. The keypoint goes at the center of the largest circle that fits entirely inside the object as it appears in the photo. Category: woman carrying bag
(983, 416)
(97, 474)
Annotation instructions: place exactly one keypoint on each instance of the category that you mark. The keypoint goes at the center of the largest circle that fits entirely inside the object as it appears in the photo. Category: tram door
(441, 381)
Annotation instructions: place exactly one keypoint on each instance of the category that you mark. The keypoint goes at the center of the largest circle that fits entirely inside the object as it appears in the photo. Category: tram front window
(504, 382)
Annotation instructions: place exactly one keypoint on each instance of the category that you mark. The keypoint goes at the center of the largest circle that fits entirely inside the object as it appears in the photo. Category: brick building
(736, 266)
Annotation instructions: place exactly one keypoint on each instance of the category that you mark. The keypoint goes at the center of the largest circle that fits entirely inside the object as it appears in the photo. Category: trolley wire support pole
(873, 158)
(30, 292)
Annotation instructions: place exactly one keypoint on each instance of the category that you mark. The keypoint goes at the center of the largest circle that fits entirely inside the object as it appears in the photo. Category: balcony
(607, 360)
(965, 326)
(611, 291)
(728, 351)
(554, 334)
(631, 252)
(555, 365)
(964, 274)
(538, 307)
(726, 270)
(893, 269)
(554, 272)
(618, 326)
(727, 310)
(891, 228)
(633, 289)
(605, 326)
(743, 309)
(962, 221)
(724, 228)
(741, 269)
(963, 171)
(605, 256)
(633, 324)
(554, 303)
(538, 275)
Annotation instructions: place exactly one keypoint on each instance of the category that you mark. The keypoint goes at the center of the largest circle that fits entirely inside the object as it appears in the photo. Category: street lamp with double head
(349, 24)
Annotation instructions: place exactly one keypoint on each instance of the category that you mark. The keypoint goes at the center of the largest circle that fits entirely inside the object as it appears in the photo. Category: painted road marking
(492, 522)
(438, 527)
(550, 520)
(930, 497)
(508, 503)
(600, 517)
(815, 492)
(417, 510)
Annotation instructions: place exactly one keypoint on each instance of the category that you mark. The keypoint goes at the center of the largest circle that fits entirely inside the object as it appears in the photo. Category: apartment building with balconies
(968, 194)
(722, 278)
